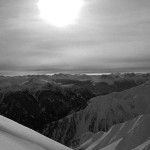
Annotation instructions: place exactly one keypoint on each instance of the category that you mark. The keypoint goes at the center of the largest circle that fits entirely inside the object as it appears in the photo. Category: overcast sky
(110, 36)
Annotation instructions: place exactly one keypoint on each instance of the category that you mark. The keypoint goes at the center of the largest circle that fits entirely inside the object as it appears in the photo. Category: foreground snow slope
(131, 135)
(14, 136)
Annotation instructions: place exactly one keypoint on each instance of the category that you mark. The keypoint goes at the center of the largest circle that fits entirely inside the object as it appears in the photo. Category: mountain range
(88, 112)
(101, 114)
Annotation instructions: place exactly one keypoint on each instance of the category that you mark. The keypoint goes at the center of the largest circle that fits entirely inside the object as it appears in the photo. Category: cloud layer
(110, 36)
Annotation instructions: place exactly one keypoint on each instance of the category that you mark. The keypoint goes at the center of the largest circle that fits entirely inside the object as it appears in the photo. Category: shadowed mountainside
(34, 107)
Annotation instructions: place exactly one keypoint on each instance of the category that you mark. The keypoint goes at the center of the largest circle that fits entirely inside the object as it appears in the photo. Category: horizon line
(50, 74)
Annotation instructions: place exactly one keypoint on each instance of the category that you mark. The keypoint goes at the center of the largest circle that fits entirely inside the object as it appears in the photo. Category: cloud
(110, 36)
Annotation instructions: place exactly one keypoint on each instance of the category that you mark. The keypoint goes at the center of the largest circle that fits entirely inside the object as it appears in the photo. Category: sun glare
(60, 13)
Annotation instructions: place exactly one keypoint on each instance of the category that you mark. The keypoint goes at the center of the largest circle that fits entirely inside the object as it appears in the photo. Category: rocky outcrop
(130, 135)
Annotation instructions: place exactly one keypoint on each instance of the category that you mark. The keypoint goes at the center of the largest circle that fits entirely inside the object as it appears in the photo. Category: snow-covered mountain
(130, 135)
(14, 136)
(38, 102)
(101, 114)
(35, 100)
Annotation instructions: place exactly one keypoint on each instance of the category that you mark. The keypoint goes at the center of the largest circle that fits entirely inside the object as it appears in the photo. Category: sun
(60, 13)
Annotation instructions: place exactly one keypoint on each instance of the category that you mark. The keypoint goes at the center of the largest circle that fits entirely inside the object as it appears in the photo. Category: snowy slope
(14, 136)
(131, 135)
(101, 113)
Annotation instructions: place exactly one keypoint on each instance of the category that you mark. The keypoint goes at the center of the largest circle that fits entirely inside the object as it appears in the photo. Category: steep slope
(35, 107)
(101, 113)
(131, 135)
(14, 136)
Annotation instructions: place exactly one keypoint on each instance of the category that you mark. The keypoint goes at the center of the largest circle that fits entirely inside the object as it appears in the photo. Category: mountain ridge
(101, 113)
(130, 135)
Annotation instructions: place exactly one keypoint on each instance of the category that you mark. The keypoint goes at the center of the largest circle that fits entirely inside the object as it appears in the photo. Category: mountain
(103, 87)
(101, 114)
(130, 135)
(97, 84)
(57, 108)
(79, 77)
(36, 100)
(108, 78)
(102, 84)
(14, 136)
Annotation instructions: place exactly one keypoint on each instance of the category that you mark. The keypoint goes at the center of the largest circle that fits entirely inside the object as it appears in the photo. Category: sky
(109, 36)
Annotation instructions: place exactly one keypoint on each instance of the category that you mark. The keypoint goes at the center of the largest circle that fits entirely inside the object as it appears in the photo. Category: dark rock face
(62, 131)
(71, 131)
(92, 122)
